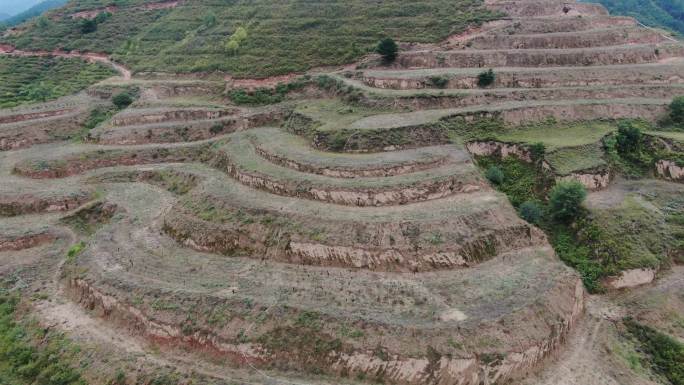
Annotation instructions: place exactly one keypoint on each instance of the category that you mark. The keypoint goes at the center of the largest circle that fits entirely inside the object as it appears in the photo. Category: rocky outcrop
(593, 181)
(25, 241)
(631, 278)
(670, 170)
(499, 149)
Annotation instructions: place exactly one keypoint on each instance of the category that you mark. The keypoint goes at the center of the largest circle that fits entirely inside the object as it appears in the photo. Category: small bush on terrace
(486, 78)
(439, 81)
(566, 200)
(531, 211)
(495, 175)
(388, 49)
(122, 100)
(628, 138)
(677, 110)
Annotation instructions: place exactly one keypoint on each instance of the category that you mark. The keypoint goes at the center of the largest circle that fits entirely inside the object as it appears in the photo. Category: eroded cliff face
(631, 278)
(669, 169)
(597, 180)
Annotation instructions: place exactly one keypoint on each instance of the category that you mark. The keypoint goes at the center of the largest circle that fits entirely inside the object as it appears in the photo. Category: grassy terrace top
(416, 118)
(281, 37)
(295, 148)
(242, 151)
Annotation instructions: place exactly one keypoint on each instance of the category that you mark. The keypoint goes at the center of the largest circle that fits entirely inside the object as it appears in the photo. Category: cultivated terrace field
(300, 192)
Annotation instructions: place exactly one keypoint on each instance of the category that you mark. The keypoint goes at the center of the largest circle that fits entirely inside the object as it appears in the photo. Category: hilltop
(279, 37)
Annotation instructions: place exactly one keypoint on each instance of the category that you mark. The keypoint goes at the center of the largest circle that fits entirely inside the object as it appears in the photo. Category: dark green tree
(388, 49)
(495, 175)
(628, 138)
(566, 200)
(122, 100)
(677, 109)
(531, 212)
(486, 78)
(88, 26)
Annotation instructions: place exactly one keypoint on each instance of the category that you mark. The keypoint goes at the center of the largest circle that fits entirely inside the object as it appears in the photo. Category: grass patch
(565, 161)
(30, 354)
(75, 251)
(555, 136)
(38, 79)
(665, 354)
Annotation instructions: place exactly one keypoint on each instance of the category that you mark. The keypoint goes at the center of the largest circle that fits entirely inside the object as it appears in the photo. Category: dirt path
(587, 358)
(88, 56)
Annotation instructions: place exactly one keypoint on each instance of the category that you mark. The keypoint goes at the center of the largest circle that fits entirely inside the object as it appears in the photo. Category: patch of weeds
(264, 96)
(665, 354)
(74, 252)
(30, 354)
(435, 238)
(161, 305)
(309, 319)
(439, 81)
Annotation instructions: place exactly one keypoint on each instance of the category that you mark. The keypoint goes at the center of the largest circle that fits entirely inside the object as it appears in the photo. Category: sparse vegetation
(665, 354)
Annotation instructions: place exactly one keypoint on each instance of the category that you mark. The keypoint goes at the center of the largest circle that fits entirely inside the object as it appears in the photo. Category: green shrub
(122, 100)
(263, 96)
(495, 175)
(531, 211)
(677, 109)
(628, 138)
(388, 49)
(566, 200)
(486, 78)
(88, 26)
(439, 81)
(537, 151)
(666, 354)
(30, 356)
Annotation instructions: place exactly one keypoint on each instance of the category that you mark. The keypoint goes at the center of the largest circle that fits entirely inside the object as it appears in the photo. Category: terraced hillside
(345, 226)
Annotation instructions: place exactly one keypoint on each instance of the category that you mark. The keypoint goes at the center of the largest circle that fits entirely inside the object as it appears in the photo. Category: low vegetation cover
(598, 243)
(38, 79)
(32, 355)
(665, 355)
(250, 38)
